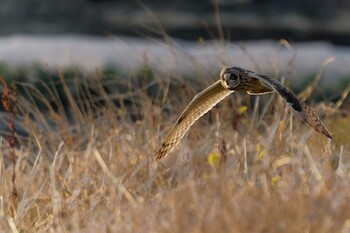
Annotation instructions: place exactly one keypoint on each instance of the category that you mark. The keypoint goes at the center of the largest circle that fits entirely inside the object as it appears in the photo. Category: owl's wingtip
(329, 136)
(160, 154)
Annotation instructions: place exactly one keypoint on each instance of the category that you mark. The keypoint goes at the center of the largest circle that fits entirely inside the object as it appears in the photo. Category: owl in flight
(235, 79)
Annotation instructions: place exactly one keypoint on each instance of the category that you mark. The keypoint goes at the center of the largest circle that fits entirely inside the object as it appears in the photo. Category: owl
(236, 79)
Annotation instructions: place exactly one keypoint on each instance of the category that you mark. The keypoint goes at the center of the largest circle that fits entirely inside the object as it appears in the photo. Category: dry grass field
(249, 165)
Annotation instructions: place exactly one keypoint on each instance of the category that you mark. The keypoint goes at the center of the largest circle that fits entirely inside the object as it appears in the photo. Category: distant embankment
(89, 53)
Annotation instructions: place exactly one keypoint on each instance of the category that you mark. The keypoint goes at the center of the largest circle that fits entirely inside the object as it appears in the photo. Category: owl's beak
(226, 76)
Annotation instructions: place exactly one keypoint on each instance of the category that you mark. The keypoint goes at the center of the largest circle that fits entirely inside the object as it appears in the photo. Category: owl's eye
(234, 76)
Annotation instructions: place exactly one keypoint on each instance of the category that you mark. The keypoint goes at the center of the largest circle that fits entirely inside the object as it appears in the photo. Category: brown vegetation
(94, 171)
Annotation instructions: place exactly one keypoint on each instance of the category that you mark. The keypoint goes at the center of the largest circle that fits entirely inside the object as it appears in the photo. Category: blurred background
(186, 36)
(298, 20)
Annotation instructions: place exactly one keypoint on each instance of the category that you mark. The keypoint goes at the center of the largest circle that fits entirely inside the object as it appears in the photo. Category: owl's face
(230, 78)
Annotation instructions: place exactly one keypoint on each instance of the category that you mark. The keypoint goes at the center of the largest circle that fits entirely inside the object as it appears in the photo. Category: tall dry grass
(249, 165)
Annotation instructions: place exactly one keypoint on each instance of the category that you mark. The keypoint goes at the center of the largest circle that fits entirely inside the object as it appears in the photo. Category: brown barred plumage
(235, 79)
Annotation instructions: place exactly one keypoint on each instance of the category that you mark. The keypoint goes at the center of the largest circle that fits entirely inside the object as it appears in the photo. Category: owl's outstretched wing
(201, 104)
(257, 87)
(298, 105)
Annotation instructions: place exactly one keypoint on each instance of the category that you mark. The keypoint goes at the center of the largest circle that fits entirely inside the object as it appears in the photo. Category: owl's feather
(303, 111)
(201, 104)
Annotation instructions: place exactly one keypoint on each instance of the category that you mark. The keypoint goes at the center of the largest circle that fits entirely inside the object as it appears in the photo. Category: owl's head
(231, 77)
